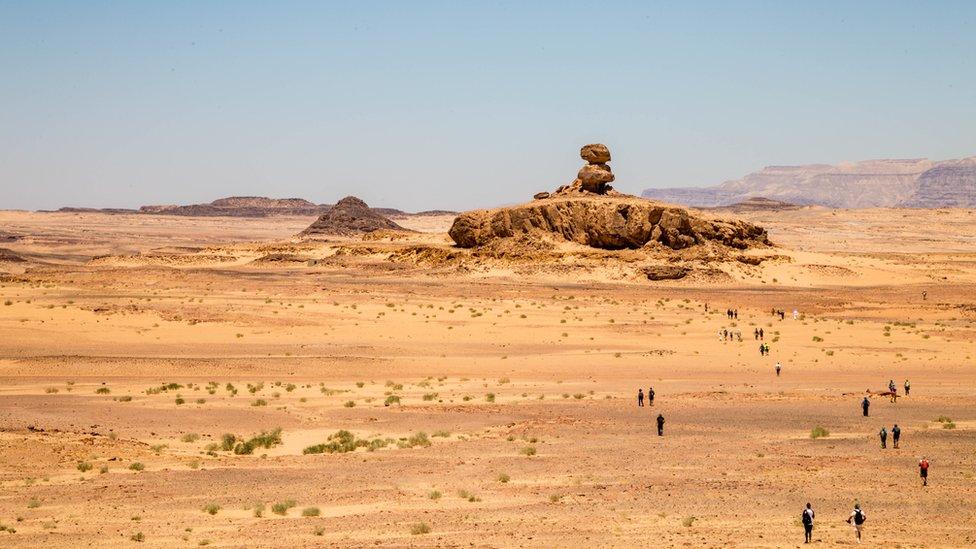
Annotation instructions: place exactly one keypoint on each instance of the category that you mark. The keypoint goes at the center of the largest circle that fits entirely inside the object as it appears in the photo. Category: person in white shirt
(857, 519)
(807, 519)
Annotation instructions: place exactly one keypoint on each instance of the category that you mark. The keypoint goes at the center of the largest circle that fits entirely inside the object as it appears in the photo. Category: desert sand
(131, 344)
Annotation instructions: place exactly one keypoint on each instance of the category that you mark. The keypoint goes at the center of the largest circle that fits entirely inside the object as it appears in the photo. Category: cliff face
(873, 183)
(948, 184)
(608, 222)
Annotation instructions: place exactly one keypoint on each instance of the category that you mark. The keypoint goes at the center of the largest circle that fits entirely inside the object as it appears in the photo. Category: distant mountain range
(912, 183)
(245, 206)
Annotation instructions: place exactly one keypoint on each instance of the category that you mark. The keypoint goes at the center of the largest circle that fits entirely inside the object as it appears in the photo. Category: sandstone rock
(596, 153)
(350, 216)
(541, 196)
(594, 177)
(608, 222)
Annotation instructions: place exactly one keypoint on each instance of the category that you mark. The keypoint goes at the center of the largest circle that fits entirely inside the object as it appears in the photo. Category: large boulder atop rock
(596, 153)
(605, 221)
(594, 177)
(350, 216)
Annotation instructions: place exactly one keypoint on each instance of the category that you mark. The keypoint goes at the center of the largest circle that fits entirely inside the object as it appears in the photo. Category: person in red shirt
(923, 471)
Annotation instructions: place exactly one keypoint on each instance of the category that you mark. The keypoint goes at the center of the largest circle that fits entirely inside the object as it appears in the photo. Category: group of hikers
(650, 402)
(857, 517)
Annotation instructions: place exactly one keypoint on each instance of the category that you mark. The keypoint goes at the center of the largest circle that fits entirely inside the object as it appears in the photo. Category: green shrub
(310, 512)
(84, 467)
(282, 508)
(419, 529)
(136, 466)
(819, 432)
(211, 508)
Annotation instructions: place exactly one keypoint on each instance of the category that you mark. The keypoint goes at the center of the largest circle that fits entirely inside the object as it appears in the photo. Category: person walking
(807, 519)
(908, 387)
(761, 334)
(660, 425)
(650, 396)
(923, 471)
(865, 404)
(895, 435)
(884, 437)
(755, 334)
(778, 368)
(640, 398)
(857, 519)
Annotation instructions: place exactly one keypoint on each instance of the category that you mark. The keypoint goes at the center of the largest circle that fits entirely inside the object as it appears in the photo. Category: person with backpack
(895, 435)
(857, 519)
(923, 471)
(660, 425)
(650, 396)
(884, 437)
(640, 398)
(778, 368)
(908, 387)
(807, 519)
(865, 404)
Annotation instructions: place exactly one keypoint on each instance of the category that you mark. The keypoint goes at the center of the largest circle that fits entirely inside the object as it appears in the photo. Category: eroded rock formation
(349, 216)
(608, 222)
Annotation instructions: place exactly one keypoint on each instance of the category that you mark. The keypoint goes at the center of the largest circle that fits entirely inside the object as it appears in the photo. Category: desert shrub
(434, 494)
(266, 439)
(503, 478)
(34, 503)
(211, 508)
(430, 396)
(819, 432)
(419, 529)
(260, 402)
(138, 536)
(350, 404)
(281, 508)
(392, 399)
(102, 391)
(442, 434)
(528, 451)
(687, 521)
(310, 512)
(136, 466)
(258, 509)
(490, 397)
(84, 466)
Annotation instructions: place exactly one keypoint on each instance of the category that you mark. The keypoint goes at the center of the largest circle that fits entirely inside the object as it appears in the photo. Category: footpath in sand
(120, 375)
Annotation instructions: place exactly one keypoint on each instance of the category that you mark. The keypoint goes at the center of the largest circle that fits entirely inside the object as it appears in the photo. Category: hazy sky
(461, 104)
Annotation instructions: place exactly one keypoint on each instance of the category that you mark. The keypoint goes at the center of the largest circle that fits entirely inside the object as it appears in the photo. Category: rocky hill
(348, 217)
(872, 183)
(589, 212)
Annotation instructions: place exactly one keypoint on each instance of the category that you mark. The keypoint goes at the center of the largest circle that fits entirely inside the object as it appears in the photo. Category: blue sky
(461, 104)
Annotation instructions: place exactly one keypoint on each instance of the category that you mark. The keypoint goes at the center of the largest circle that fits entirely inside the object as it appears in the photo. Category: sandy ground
(129, 345)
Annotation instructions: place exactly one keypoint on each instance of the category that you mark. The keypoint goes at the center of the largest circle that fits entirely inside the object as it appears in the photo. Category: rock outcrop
(594, 177)
(350, 216)
(867, 184)
(608, 222)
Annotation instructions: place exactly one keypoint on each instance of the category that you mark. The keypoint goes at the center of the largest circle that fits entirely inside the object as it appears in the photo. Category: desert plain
(148, 362)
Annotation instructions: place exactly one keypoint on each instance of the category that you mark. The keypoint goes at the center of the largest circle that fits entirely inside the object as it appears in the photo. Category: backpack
(858, 517)
(806, 518)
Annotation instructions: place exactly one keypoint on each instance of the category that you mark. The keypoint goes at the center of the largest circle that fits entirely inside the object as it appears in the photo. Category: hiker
(864, 406)
(807, 520)
(660, 425)
(884, 437)
(923, 471)
(640, 398)
(925, 295)
(895, 435)
(782, 315)
(857, 519)
(766, 345)
(761, 334)
(735, 314)
(778, 368)
(650, 396)
(762, 350)
(908, 387)
(891, 386)
(755, 334)
(796, 314)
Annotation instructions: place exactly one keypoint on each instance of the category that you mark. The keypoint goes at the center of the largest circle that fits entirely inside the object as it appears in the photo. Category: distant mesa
(350, 216)
(589, 212)
(913, 183)
(241, 206)
(9, 256)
